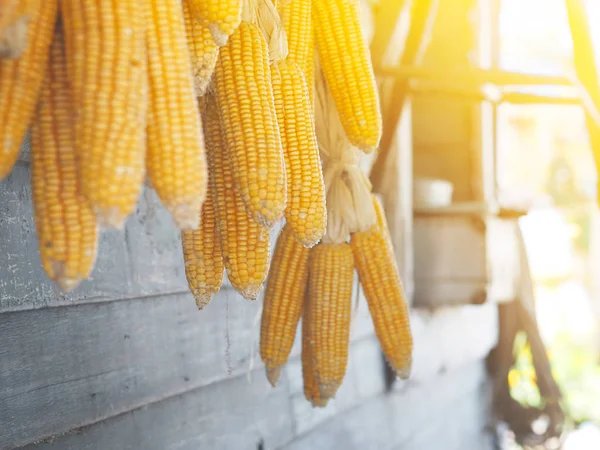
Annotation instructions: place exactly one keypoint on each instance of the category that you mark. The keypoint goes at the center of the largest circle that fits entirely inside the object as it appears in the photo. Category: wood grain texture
(387, 421)
(239, 414)
(143, 259)
(70, 366)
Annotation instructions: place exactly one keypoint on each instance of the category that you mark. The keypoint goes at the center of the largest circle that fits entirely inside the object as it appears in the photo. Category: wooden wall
(127, 362)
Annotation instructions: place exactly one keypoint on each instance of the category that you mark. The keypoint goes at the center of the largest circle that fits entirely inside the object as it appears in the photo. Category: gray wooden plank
(364, 380)
(236, 414)
(66, 367)
(393, 418)
(143, 259)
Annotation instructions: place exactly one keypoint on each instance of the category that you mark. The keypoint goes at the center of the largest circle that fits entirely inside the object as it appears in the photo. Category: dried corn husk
(349, 205)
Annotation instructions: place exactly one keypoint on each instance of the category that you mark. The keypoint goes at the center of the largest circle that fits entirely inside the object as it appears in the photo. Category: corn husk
(349, 204)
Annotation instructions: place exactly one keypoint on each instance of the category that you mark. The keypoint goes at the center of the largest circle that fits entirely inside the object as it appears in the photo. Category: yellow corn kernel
(203, 50)
(221, 17)
(346, 62)
(296, 18)
(15, 16)
(329, 311)
(106, 62)
(284, 295)
(380, 279)
(244, 94)
(311, 386)
(175, 158)
(20, 81)
(306, 211)
(202, 255)
(297, 22)
(66, 226)
(244, 243)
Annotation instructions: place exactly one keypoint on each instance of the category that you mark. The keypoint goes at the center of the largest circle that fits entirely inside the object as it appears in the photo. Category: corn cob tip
(319, 403)
(273, 374)
(187, 215)
(251, 291)
(328, 390)
(111, 217)
(404, 371)
(14, 40)
(203, 299)
(64, 283)
(308, 242)
(218, 35)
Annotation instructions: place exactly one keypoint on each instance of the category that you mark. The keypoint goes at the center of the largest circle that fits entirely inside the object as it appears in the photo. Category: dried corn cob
(330, 305)
(311, 385)
(345, 59)
(284, 295)
(175, 159)
(221, 17)
(203, 50)
(106, 61)
(306, 210)
(65, 224)
(296, 19)
(20, 81)
(202, 255)
(379, 277)
(15, 16)
(244, 243)
(247, 110)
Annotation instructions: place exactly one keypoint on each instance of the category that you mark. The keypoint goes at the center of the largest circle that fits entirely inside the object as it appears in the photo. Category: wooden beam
(422, 17)
(586, 71)
(472, 76)
(387, 15)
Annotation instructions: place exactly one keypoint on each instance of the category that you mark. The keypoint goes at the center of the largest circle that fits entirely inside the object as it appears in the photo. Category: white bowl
(430, 192)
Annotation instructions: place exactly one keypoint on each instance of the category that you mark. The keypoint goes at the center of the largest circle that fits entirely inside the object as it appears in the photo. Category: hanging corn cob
(297, 23)
(202, 247)
(244, 242)
(203, 50)
(282, 308)
(221, 17)
(20, 81)
(345, 59)
(244, 95)
(106, 60)
(65, 224)
(311, 386)
(379, 277)
(15, 16)
(329, 311)
(175, 159)
(306, 211)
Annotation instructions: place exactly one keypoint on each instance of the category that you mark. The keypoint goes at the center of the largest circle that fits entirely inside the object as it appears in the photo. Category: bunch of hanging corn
(108, 90)
(261, 145)
(316, 284)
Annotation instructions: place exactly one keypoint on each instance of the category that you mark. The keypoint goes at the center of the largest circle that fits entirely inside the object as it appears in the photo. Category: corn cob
(65, 224)
(297, 23)
(106, 62)
(15, 16)
(202, 255)
(380, 279)
(306, 210)
(221, 17)
(284, 295)
(20, 81)
(345, 59)
(175, 159)
(330, 305)
(311, 385)
(246, 105)
(203, 50)
(244, 243)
